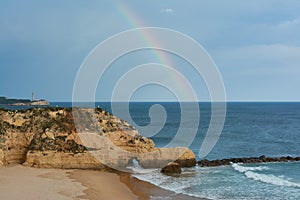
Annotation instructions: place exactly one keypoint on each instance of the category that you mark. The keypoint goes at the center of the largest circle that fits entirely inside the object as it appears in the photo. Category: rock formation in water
(261, 159)
(49, 138)
(171, 168)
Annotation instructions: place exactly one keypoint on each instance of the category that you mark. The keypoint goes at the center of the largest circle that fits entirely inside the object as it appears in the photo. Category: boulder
(171, 168)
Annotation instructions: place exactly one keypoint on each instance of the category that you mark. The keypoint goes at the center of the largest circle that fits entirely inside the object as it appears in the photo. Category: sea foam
(137, 169)
(174, 184)
(271, 179)
(265, 178)
(243, 169)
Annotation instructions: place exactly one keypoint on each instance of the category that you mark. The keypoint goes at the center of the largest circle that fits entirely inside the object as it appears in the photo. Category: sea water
(250, 129)
(238, 181)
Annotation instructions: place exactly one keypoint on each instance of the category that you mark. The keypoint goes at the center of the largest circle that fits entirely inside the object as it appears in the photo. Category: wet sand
(147, 190)
(93, 180)
(101, 185)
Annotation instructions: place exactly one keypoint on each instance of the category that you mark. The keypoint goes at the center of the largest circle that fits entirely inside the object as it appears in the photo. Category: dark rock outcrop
(187, 159)
(171, 168)
(261, 159)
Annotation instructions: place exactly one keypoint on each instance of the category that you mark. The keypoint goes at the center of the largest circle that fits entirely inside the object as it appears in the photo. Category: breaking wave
(243, 169)
(265, 178)
(136, 168)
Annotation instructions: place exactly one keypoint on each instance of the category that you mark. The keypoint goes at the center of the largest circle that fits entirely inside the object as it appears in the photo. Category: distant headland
(4, 101)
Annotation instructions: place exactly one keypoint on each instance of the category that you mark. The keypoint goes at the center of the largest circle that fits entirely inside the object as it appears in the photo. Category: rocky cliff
(48, 137)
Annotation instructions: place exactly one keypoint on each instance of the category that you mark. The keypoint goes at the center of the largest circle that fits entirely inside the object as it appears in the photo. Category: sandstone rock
(131, 141)
(171, 168)
(2, 159)
(160, 157)
(15, 155)
(48, 137)
(61, 160)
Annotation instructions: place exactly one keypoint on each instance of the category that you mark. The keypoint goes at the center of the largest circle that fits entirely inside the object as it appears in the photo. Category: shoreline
(81, 184)
(68, 184)
(139, 189)
(146, 190)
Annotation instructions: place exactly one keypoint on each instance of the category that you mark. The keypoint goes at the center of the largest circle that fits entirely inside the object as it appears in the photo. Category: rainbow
(134, 21)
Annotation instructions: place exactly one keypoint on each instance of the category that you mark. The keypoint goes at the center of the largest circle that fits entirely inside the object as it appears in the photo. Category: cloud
(289, 23)
(167, 10)
(264, 72)
(255, 59)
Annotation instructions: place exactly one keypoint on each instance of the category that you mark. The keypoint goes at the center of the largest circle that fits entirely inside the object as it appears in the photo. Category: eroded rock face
(2, 159)
(48, 137)
(62, 160)
(18, 128)
(13, 142)
(160, 157)
(131, 141)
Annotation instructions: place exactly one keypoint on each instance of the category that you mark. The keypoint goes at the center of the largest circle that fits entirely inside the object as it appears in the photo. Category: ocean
(250, 129)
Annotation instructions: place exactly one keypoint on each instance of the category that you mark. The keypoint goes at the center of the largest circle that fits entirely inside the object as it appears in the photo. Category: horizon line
(230, 101)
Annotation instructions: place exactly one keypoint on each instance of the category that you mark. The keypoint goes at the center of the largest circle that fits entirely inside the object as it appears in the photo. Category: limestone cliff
(48, 137)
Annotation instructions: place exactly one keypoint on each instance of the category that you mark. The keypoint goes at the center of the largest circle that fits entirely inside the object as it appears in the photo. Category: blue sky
(255, 44)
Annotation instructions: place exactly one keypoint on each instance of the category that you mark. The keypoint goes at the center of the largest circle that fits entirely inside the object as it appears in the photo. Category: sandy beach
(19, 182)
(29, 183)
(101, 185)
